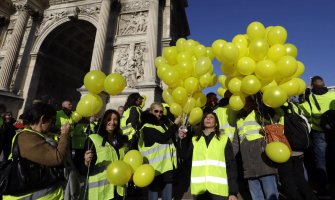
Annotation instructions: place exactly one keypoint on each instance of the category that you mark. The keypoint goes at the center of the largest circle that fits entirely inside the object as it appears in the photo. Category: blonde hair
(154, 104)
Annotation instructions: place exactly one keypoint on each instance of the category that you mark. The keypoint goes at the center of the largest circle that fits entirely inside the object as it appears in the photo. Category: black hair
(33, 114)
(105, 119)
(210, 94)
(131, 100)
(198, 134)
(315, 78)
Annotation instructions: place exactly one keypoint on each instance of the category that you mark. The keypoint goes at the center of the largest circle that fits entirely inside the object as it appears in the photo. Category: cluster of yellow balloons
(186, 69)
(259, 60)
(95, 82)
(120, 172)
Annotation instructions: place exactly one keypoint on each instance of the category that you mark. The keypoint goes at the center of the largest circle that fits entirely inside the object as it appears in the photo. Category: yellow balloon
(114, 83)
(265, 70)
(170, 54)
(243, 50)
(162, 69)
(202, 66)
(230, 52)
(277, 35)
(255, 30)
(268, 84)
(287, 66)
(89, 105)
(94, 81)
(205, 80)
(195, 116)
(189, 105)
(171, 77)
(184, 56)
(240, 39)
(222, 79)
(179, 95)
(276, 52)
(180, 44)
(291, 87)
(258, 49)
(278, 152)
(267, 30)
(291, 50)
(167, 96)
(191, 85)
(221, 91)
(159, 61)
(217, 46)
(214, 80)
(274, 97)
(144, 175)
(143, 101)
(118, 173)
(302, 85)
(250, 84)
(200, 51)
(300, 69)
(75, 116)
(246, 66)
(200, 98)
(234, 85)
(176, 109)
(210, 53)
(133, 158)
(236, 102)
(228, 69)
(189, 45)
(185, 69)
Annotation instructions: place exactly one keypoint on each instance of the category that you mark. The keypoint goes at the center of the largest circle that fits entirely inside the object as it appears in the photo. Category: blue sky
(310, 25)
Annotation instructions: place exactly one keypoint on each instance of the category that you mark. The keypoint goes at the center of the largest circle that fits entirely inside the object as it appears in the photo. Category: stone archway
(63, 60)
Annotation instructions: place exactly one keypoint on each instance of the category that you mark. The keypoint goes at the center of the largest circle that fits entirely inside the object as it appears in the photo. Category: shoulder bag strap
(316, 103)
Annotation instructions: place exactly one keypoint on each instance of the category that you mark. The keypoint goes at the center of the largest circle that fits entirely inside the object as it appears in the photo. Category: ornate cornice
(34, 7)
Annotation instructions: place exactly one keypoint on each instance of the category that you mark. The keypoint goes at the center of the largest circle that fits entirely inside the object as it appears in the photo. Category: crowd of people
(223, 157)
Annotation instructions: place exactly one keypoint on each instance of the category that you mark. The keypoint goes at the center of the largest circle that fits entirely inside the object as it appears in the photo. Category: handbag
(275, 133)
(22, 176)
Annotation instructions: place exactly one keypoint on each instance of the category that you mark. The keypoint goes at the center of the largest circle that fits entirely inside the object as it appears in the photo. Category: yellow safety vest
(127, 128)
(209, 171)
(227, 121)
(79, 136)
(55, 192)
(326, 102)
(162, 157)
(99, 186)
(62, 118)
(249, 128)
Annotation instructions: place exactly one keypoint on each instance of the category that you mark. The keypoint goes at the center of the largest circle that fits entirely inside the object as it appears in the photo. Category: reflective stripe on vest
(162, 157)
(127, 129)
(53, 192)
(98, 187)
(79, 136)
(227, 121)
(249, 128)
(209, 167)
(62, 118)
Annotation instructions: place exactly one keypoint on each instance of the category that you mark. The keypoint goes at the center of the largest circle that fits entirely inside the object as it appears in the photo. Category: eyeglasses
(158, 111)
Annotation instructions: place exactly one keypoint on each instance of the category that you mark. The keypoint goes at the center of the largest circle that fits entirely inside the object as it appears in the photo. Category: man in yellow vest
(64, 115)
(320, 100)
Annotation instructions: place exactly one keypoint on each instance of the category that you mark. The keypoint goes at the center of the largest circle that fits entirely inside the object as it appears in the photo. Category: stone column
(13, 49)
(101, 35)
(152, 35)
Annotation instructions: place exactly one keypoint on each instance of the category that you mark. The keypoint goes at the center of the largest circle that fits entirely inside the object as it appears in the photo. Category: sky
(310, 25)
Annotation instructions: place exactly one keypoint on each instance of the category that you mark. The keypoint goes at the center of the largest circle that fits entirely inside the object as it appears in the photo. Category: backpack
(327, 119)
(296, 129)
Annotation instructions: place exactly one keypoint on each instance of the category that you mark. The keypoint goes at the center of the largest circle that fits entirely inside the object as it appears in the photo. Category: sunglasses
(158, 111)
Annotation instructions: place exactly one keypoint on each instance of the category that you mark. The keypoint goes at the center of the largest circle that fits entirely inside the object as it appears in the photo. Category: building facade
(47, 46)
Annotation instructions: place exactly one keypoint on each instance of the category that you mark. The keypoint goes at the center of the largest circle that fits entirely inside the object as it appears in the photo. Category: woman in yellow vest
(156, 146)
(214, 172)
(131, 118)
(103, 148)
(258, 169)
(33, 146)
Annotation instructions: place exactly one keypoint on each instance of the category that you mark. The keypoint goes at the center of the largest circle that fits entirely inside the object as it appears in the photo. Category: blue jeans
(319, 154)
(166, 193)
(264, 187)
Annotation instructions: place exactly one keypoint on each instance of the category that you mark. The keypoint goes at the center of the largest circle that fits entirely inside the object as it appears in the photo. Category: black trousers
(208, 196)
(293, 182)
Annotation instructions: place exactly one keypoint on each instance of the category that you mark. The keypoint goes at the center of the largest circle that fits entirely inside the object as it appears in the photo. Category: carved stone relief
(134, 6)
(90, 10)
(25, 37)
(7, 38)
(133, 23)
(130, 63)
